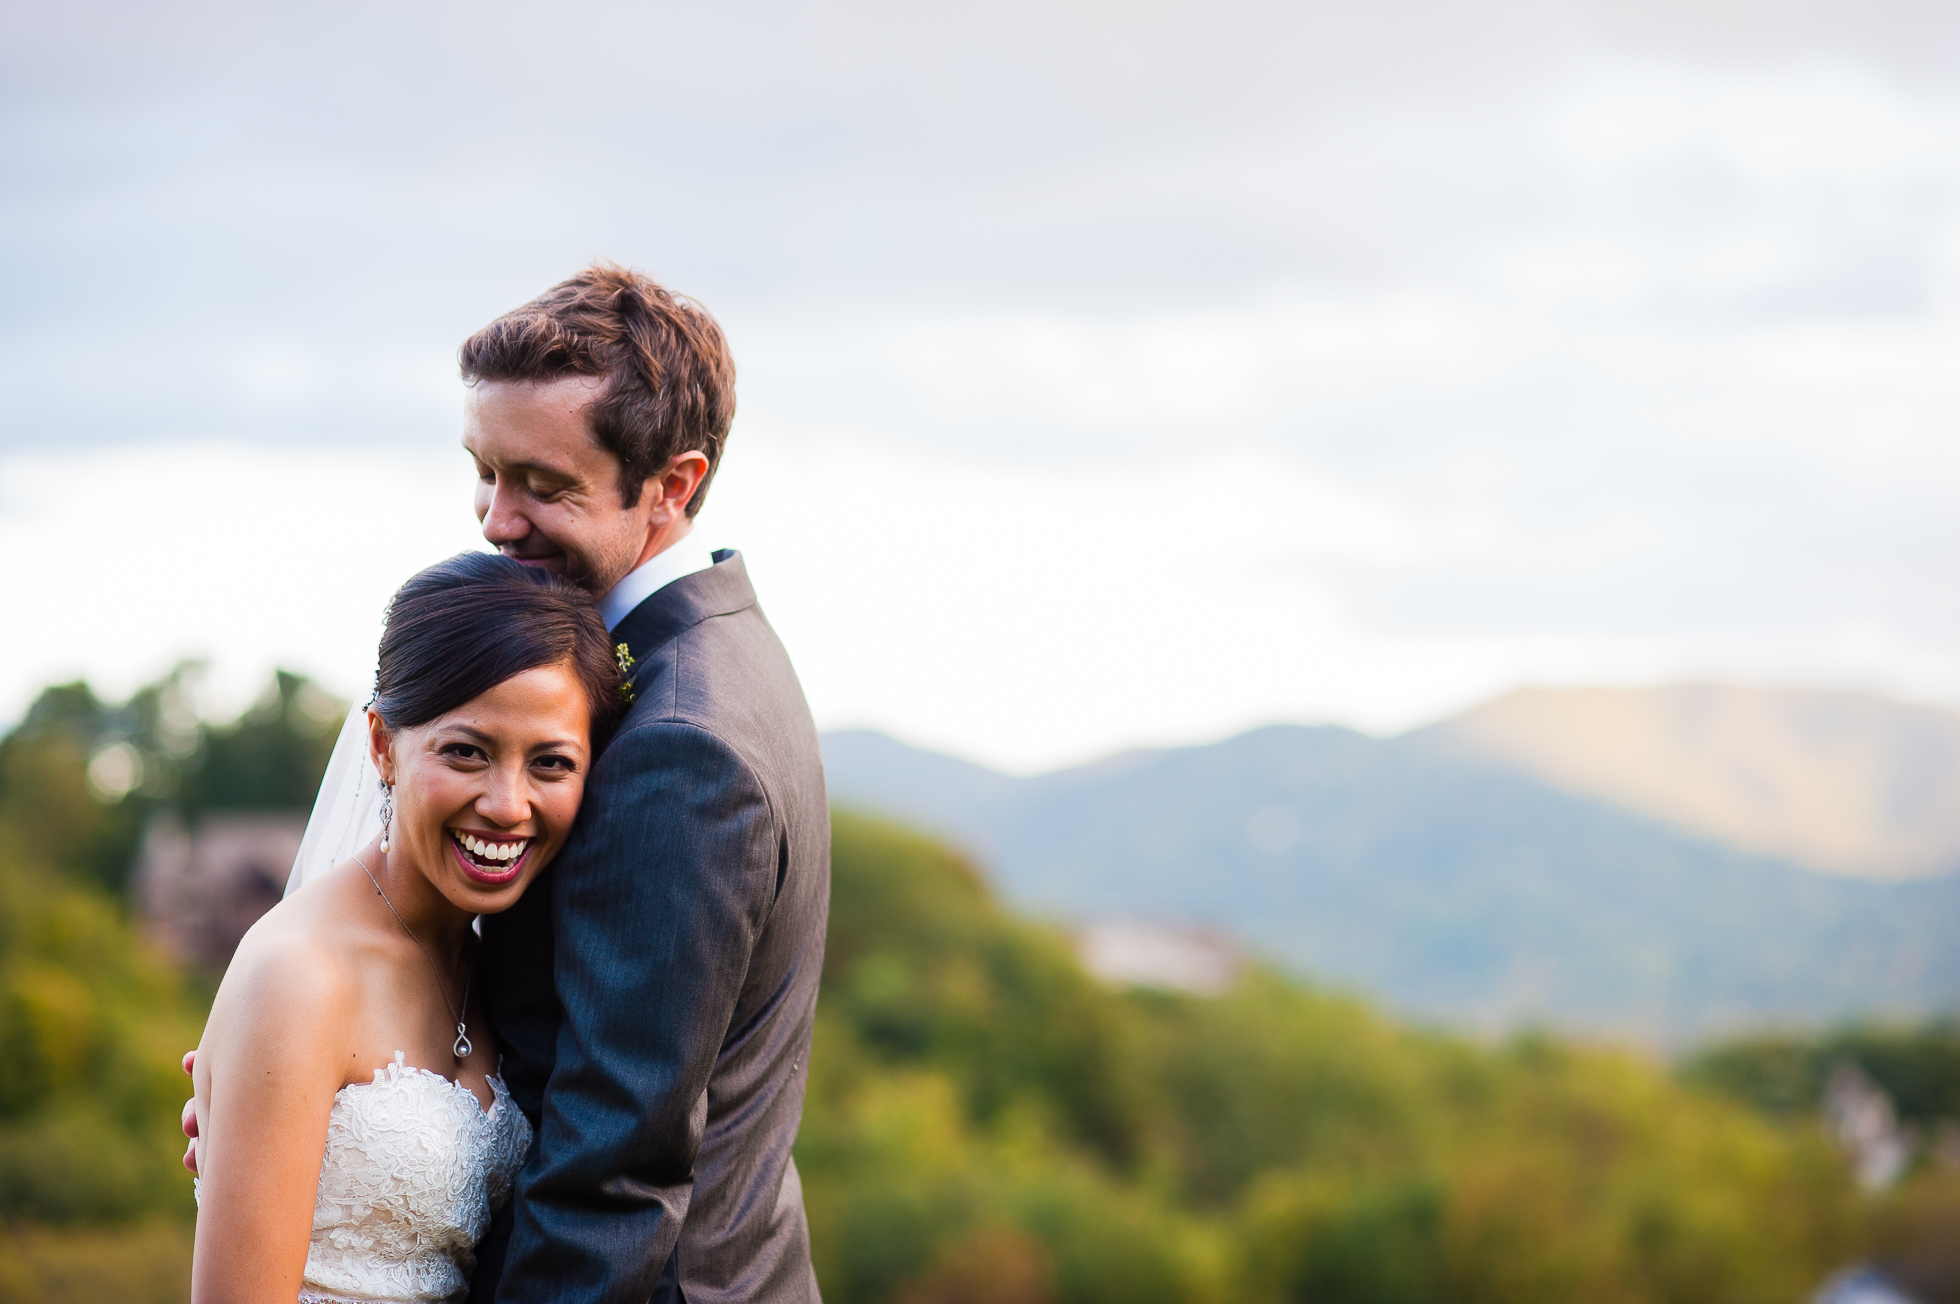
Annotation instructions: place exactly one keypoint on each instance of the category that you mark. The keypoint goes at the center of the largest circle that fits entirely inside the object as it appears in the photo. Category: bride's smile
(486, 857)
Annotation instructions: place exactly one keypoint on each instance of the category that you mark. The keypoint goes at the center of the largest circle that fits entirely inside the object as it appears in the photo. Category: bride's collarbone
(393, 1021)
(401, 1009)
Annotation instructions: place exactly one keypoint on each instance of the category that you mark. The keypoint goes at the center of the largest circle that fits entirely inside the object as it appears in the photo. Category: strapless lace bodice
(413, 1169)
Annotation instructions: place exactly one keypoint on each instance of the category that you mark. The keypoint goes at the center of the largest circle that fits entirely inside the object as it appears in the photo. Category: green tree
(79, 777)
(1785, 1073)
(971, 1086)
(93, 1026)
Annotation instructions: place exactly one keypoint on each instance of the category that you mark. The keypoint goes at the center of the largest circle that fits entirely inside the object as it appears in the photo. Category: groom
(655, 989)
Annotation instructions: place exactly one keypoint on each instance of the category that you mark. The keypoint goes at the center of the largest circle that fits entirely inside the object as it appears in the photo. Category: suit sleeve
(656, 905)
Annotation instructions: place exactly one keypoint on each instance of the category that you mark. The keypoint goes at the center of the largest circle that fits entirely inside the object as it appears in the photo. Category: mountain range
(1663, 864)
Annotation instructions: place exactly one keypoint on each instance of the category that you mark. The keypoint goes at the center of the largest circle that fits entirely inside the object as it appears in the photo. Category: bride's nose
(507, 799)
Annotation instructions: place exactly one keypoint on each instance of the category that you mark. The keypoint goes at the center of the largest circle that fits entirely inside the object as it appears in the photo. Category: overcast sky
(1110, 374)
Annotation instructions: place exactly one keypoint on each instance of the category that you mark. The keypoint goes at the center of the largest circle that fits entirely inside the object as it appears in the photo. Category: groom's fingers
(190, 1130)
(189, 1118)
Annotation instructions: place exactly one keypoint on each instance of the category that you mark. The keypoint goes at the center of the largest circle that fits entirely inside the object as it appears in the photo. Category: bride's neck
(436, 921)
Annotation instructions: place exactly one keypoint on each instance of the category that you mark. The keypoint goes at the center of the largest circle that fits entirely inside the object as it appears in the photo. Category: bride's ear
(380, 744)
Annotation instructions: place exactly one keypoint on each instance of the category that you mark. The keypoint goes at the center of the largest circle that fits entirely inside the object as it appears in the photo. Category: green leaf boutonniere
(624, 655)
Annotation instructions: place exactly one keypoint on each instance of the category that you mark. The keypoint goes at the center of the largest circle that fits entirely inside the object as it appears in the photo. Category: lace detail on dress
(413, 1169)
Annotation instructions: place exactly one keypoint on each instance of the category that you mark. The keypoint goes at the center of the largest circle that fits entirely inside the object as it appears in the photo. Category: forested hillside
(1445, 883)
(981, 1112)
(985, 1122)
(93, 1202)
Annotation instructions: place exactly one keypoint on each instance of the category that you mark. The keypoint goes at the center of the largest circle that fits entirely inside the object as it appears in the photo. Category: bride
(354, 1138)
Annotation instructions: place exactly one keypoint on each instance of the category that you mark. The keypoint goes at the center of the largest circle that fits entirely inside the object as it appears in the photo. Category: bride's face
(485, 795)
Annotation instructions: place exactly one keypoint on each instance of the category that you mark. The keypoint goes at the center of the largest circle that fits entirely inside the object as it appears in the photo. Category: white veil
(347, 814)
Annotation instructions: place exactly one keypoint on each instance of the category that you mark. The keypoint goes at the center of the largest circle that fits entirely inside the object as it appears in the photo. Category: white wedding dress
(413, 1169)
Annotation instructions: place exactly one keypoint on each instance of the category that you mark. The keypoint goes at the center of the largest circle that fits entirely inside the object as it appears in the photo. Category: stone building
(198, 890)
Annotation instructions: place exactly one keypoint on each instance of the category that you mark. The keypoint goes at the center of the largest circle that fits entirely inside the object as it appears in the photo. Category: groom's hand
(190, 1118)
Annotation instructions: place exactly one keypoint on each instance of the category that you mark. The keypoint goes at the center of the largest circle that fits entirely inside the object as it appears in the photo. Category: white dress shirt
(683, 557)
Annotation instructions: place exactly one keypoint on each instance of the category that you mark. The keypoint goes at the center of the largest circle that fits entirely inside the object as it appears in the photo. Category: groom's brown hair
(671, 381)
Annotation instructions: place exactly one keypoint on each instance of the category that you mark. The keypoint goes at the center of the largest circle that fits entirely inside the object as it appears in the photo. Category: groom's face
(547, 492)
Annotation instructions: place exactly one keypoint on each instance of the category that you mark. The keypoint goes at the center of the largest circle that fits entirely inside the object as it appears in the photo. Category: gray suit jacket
(654, 990)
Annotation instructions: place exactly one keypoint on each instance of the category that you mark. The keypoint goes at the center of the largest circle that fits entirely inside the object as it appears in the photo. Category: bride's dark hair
(463, 626)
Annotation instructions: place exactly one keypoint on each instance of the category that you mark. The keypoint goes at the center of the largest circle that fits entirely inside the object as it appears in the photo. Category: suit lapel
(718, 591)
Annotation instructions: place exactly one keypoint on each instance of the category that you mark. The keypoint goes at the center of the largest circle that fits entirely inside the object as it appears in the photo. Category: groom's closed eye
(545, 486)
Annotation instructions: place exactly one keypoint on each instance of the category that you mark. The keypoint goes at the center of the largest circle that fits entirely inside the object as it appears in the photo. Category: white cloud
(1803, 121)
(1024, 609)
(1030, 610)
(1216, 367)
(1338, 375)
(249, 558)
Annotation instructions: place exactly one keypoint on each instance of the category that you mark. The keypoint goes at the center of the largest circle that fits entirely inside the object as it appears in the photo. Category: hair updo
(458, 629)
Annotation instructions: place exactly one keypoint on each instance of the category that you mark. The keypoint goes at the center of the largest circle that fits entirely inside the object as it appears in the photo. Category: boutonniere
(624, 655)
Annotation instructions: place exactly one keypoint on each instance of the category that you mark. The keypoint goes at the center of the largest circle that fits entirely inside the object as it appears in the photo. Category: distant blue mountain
(1419, 870)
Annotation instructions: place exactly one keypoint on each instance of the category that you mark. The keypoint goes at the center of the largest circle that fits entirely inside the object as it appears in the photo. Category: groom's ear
(379, 743)
(675, 487)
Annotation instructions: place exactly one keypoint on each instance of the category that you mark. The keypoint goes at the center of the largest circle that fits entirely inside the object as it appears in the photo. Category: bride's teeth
(505, 851)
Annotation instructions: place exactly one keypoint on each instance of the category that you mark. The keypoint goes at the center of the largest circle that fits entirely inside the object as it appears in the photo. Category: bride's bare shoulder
(295, 961)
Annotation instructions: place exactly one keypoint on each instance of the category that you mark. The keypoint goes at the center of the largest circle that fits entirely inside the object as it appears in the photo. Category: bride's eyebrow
(477, 735)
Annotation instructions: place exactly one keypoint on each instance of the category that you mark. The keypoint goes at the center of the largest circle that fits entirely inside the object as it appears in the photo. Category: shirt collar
(683, 557)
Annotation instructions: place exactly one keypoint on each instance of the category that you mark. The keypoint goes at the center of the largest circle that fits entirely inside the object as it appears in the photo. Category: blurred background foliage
(977, 1100)
(1784, 1074)
(79, 778)
(985, 1121)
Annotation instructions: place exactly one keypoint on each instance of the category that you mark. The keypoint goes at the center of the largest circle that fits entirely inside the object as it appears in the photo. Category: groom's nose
(503, 521)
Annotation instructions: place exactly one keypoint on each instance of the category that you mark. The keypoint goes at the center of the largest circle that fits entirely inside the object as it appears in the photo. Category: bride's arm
(266, 1074)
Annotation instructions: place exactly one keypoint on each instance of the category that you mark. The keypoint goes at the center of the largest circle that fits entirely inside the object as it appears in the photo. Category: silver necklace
(462, 1046)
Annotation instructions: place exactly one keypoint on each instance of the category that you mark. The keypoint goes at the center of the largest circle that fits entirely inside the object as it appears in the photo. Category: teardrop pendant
(462, 1046)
